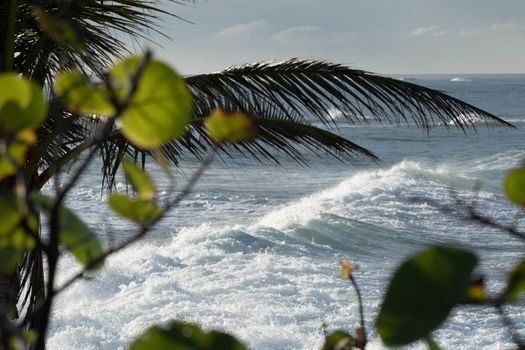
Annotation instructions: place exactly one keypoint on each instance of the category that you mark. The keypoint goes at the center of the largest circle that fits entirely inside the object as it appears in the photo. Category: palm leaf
(101, 26)
(302, 89)
(278, 134)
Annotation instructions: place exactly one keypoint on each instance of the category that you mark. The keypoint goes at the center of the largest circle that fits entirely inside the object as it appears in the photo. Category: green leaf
(160, 108)
(16, 152)
(58, 29)
(78, 238)
(11, 214)
(139, 180)
(18, 239)
(514, 186)
(139, 211)
(516, 284)
(10, 258)
(230, 127)
(13, 235)
(422, 293)
(184, 336)
(161, 160)
(22, 104)
(81, 97)
(338, 340)
(74, 234)
(431, 343)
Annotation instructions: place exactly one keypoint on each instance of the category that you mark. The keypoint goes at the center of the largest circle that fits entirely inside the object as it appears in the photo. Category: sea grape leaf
(160, 108)
(516, 284)
(431, 343)
(11, 214)
(230, 127)
(476, 292)
(422, 292)
(81, 97)
(58, 29)
(514, 186)
(22, 104)
(15, 155)
(74, 234)
(161, 160)
(184, 336)
(10, 258)
(79, 239)
(338, 340)
(139, 180)
(19, 239)
(139, 211)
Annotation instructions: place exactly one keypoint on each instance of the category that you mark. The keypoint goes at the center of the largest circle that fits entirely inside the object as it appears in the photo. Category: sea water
(255, 249)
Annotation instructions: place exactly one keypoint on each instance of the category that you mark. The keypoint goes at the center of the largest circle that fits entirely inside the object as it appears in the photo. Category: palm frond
(278, 134)
(303, 89)
(102, 26)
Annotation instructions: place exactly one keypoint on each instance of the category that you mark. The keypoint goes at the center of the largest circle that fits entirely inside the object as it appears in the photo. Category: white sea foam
(263, 281)
(460, 80)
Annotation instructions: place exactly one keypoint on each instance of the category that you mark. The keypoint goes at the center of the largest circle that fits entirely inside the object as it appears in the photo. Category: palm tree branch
(304, 88)
(100, 25)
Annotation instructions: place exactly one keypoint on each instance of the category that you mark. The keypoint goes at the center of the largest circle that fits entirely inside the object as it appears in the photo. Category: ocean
(255, 249)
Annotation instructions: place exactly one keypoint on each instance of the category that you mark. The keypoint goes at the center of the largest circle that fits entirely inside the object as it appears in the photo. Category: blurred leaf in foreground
(516, 284)
(184, 336)
(15, 152)
(22, 104)
(81, 97)
(422, 292)
(338, 340)
(139, 180)
(230, 127)
(160, 108)
(74, 234)
(514, 186)
(139, 211)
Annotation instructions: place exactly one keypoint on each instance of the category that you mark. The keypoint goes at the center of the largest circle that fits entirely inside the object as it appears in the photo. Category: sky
(382, 36)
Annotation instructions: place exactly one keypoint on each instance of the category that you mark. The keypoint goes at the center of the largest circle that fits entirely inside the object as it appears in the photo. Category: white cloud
(434, 31)
(509, 25)
(310, 35)
(244, 29)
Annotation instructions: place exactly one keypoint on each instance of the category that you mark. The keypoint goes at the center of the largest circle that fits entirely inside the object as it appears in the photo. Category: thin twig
(511, 327)
(472, 215)
(361, 311)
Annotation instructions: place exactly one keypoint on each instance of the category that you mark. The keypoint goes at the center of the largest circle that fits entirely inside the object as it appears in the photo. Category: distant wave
(467, 119)
(473, 119)
(377, 196)
(460, 80)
